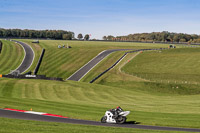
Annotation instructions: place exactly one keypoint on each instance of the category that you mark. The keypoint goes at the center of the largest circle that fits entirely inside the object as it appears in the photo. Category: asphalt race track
(92, 63)
(28, 59)
(35, 117)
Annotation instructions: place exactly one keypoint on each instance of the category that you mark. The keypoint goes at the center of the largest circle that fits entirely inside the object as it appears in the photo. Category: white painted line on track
(93, 66)
(24, 55)
(32, 59)
(85, 65)
(33, 112)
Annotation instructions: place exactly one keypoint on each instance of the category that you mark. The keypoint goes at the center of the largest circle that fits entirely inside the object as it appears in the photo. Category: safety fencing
(170, 78)
(39, 62)
(158, 42)
(32, 77)
(1, 45)
(120, 60)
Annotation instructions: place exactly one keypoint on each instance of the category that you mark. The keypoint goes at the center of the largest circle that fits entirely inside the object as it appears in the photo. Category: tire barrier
(1, 45)
(39, 62)
(120, 60)
(28, 73)
(32, 77)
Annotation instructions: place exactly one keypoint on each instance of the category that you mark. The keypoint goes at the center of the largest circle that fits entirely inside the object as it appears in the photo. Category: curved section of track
(35, 117)
(92, 63)
(28, 58)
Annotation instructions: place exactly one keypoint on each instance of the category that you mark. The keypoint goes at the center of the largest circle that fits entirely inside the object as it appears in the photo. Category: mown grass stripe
(8, 55)
(11, 57)
(11, 54)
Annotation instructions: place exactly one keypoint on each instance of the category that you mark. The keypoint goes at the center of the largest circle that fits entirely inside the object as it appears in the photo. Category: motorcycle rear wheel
(121, 120)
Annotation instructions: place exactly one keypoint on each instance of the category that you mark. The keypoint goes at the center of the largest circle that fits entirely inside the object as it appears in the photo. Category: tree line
(80, 37)
(46, 34)
(164, 36)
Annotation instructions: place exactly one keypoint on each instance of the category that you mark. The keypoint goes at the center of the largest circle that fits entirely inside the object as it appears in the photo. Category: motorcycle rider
(116, 111)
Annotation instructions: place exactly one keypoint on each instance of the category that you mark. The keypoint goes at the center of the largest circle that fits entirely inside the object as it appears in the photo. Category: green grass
(154, 71)
(90, 101)
(24, 126)
(11, 56)
(102, 66)
(64, 62)
(151, 103)
(117, 78)
(174, 65)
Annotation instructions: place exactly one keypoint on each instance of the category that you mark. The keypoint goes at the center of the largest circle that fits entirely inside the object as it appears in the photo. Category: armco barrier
(159, 42)
(39, 62)
(120, 60)
(1, 45)
(32, 77)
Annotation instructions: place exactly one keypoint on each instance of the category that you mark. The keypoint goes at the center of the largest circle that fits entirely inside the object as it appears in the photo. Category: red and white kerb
(33, 112)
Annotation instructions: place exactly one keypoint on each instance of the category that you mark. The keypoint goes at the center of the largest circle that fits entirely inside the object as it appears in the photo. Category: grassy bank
(11, 56)
(90, 101)
(175, 66)
(150, 101)
(64, 62)
(19, 126)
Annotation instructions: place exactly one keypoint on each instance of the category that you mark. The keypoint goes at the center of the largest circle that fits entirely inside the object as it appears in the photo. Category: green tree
(80, 36)
(182, 40)
(176, 38)
(67, 37)
(87, 37)
(110, 37)
(104, 38)
(196, 41)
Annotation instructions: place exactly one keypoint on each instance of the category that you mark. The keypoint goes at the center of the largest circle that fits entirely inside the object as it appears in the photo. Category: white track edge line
(94, 66)
(24, 55)
(32, 59)
(124, 57)
(85, 64)
(99, 62)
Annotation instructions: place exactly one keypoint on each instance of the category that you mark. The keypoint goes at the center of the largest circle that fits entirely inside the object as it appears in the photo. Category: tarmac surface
(35, 117)
(28, 58)
(92, 63)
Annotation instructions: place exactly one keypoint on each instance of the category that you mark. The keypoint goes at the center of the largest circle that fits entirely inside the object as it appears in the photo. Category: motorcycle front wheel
(121, 120)
(103, 119)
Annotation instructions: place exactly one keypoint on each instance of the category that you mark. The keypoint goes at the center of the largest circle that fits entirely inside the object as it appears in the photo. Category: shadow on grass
(132, 122)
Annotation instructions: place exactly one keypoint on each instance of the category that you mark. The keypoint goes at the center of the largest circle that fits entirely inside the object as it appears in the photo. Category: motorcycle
(115, 116)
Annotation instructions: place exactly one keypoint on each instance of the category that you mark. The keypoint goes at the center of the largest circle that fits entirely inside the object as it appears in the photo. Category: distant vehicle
(172, 46)
(35, 41)
(115, 116)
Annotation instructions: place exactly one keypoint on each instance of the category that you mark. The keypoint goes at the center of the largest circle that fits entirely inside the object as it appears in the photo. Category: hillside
(11, 56)
(64, 62)
(150, 101)
(90, 101)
